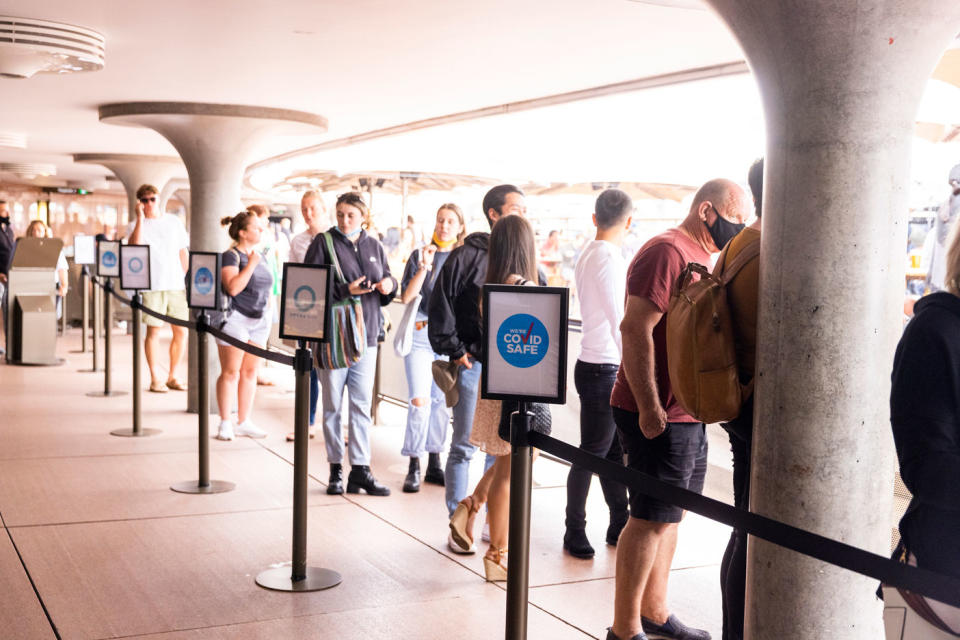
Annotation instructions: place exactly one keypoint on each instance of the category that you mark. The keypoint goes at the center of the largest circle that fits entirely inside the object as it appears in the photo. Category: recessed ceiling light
(28, 47)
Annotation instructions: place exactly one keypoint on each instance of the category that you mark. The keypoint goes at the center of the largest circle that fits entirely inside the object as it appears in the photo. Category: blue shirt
(413, 262)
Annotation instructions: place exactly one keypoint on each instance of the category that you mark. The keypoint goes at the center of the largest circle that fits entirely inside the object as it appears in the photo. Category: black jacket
(365, 258)
(7, 244)
(925, 415)
(453, 317)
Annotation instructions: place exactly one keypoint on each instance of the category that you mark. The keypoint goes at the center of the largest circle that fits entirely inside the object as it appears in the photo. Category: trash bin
(34, 330)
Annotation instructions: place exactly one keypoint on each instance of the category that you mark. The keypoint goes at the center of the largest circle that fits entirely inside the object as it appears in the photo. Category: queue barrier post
(204, 484)
(137, 431)
(518, 541)
(300, 577)
(107, 322)
(84, 307)
(92, 315)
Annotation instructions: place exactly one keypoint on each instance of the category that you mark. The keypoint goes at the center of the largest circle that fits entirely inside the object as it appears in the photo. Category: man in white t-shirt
(315, 215)
(168, 262)
(600, 274)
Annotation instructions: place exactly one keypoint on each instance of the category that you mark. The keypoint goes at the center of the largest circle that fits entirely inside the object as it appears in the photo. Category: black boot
(335, 484)
(576, 543)
(434, 473)
(411, 484)
(617, 523)
(361, 478)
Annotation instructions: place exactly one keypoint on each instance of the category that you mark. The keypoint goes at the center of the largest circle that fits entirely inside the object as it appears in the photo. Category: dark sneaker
(673, 629)
(611, 636)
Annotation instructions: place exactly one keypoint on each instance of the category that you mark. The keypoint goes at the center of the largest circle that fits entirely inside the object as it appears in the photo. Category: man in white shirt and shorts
(168, 263)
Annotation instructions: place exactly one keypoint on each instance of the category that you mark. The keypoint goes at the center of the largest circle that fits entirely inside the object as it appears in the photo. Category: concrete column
(841, 82)
(134, 170)
(216, 142)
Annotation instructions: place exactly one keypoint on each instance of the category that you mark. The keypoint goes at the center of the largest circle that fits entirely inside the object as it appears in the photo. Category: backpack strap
(332, 255)
(728, 271)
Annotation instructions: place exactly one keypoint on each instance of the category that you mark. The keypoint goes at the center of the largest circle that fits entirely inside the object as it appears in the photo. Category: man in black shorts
(658, 436)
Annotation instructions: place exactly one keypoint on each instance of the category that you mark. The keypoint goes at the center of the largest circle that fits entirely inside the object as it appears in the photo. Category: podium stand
(31, 322)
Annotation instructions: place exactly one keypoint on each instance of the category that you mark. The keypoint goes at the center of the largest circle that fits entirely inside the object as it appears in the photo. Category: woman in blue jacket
(367, 275)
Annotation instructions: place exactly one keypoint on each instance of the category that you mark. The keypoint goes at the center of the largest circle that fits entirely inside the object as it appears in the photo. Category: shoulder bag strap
(746, 254)
(332, 254)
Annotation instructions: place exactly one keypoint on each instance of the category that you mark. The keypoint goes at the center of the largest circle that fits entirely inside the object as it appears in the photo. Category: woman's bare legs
(230, 359)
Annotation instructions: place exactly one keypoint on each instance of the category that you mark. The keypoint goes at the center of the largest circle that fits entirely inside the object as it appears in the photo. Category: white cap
(954, 175)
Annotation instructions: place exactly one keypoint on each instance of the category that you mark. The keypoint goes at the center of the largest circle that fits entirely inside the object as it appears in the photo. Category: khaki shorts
(169, 303)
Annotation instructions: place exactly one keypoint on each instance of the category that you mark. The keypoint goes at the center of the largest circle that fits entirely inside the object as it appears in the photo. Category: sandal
(156, 387)
(460, 521)
(176, 385)
(494, 564)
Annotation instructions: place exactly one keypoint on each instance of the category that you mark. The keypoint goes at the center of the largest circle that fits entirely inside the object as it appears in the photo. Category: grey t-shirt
(253, 299)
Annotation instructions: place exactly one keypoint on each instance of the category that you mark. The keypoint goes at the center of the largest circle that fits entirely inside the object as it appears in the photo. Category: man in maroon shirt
(658, 435)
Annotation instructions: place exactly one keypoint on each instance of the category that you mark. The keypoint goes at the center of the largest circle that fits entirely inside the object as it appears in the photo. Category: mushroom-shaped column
(216, 143)
(840, 82)
(134, 170)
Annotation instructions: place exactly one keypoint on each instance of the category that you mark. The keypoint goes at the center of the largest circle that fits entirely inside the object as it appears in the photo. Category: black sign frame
(327, 318)
(217, 275)
(123, 282)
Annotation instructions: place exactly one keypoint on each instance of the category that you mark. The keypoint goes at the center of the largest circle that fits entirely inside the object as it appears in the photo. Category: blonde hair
(36, 224)
(457, 212)
(952, 277)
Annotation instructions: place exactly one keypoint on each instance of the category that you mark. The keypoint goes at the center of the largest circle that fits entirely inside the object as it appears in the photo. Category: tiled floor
(96, 545)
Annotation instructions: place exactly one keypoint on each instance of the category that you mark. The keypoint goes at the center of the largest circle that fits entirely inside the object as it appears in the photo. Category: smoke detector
(28, 47)
(28, 170)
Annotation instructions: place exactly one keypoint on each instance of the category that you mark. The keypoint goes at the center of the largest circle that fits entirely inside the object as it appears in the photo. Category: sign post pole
(518, 541)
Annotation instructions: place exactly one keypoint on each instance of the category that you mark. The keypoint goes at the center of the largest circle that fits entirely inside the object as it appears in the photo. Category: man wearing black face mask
(658, 435)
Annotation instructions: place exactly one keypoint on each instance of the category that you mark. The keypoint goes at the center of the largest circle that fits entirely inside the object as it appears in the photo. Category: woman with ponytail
(427, 416)
(245, 277)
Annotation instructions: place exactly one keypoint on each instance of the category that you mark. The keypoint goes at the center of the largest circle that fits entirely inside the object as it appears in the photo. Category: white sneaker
(225, 432)
(247, 428)
(458, 549)
(485, 534)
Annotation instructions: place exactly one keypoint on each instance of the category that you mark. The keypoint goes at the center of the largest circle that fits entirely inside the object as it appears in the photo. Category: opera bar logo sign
(525, 343)
(303, 314)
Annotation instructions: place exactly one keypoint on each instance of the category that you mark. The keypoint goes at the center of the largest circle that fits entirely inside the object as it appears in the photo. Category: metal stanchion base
(129, 433)
(104, 394)
(193, 486)
(91, 370)
(317, 579)
(56, 362)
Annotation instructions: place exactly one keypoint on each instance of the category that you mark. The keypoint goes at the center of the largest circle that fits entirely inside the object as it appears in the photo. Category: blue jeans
(359, 382)
(456, 474)
(314, 395)
(426, 425)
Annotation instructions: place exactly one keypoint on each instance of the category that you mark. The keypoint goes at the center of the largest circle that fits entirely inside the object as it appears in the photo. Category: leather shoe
(576, 544)
(613, 531)
(335, 484)
(411, 484)
(434, 474)
(361, 478)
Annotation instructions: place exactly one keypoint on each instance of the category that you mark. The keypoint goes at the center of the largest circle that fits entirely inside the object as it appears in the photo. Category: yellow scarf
(441, 243)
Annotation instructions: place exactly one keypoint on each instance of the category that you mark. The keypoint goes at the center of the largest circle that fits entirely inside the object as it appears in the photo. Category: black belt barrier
(946, 589)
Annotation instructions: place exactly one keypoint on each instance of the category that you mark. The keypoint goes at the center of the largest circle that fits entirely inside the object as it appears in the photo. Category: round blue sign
(203, 281)
(109, 259)
(136, 265)
(304, 298)
(522, 340)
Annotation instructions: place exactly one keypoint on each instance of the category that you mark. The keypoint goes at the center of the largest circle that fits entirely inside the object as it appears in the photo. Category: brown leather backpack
(701, 356)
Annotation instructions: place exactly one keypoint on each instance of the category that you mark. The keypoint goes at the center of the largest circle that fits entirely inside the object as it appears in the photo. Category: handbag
(347, 337)
(403, 341)
(542, 419)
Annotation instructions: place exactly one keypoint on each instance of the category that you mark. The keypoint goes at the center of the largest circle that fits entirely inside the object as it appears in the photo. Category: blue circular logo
(109, 259)
(522, 340)
(304, 298)
(135, 265)
(203, 281)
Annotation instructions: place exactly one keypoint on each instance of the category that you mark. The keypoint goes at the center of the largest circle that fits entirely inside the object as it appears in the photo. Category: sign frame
(203, 259)
(141, 251)
(104, 247)
(322, 277)
(490, 338)
(78, 253)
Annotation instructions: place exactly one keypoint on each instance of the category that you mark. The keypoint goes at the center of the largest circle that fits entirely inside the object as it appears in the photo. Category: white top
(601, 276)
(166, 237)
(299, 245)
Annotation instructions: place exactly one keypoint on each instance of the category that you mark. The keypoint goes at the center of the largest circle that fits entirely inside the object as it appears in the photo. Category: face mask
(353, 233)
(723, 230)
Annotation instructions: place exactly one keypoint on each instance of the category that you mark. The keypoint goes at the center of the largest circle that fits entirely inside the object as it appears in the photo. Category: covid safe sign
(108, 258)
(525, 343)
(303, 312)
(135, 267)
(203, 282)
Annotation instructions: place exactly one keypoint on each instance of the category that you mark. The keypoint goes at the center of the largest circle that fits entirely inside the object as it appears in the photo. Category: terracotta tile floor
(95, 544)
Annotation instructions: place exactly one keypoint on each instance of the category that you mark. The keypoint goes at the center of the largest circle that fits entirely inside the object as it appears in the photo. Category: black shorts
(678, 456)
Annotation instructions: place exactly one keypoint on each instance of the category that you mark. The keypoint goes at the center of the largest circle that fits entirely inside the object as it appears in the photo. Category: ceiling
(363, 64)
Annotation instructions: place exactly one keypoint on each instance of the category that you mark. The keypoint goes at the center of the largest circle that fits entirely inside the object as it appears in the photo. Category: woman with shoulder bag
(247, 280)
(363, 273)
(427, 416)
(512, 261)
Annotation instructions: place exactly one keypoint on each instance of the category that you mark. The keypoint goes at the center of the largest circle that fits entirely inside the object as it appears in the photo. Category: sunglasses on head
(149, 199)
